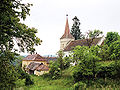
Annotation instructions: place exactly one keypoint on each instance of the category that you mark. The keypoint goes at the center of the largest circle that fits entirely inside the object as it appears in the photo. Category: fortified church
(68, 42)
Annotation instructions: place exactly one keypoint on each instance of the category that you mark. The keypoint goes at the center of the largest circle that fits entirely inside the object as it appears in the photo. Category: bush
(79, 85)
(55, 71)
(28, 81)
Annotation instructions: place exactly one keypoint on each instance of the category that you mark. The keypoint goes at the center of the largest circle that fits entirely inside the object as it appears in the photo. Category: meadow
(66, 82)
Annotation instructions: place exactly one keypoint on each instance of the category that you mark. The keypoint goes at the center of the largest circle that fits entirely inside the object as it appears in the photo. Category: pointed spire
(67, 30)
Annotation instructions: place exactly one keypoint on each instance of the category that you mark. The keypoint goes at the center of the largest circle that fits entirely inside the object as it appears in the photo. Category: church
(68, 42)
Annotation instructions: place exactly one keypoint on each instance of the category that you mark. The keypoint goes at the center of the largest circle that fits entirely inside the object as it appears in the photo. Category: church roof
(81, 42)
(35, 57)
(67, 31)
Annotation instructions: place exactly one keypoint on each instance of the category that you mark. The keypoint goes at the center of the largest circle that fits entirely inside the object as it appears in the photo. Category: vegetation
(13, 31)
(95, 66)
(111, 37)
(75, 30)
(91, 35)
(66, 82)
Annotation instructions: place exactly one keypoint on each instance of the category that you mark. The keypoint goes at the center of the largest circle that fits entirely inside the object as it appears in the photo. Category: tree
(111, 37)
(55, 71)
(13, 31)
(75, 31)
(104, 52)
(114, 50)
(78, 54)
(91, 35)
(60, 59)
(88, 65)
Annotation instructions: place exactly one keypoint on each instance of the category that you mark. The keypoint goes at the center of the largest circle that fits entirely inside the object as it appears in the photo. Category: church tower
(66, 37)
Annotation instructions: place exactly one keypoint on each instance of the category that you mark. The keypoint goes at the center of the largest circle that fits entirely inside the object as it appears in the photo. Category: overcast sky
(49, 17)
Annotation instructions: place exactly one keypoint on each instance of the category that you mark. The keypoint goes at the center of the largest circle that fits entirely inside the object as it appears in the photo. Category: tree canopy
(12, 32)
(111, 37)
(75, 30)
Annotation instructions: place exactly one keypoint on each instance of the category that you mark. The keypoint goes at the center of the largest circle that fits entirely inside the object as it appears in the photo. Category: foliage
(75, 31)
(67, 62)
(104, 52)
(55, 71)
(94, 34)
(66, 83)
(60, 59)
(78, 53)
(28, 80)
(21, 73)
(111, 37)
(91, 35)
(114, 50)
(111, 70)
(88, 64)
(13, 32)
(79, 85)
(8, 75)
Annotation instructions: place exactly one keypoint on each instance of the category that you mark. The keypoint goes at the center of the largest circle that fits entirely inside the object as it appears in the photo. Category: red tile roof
(33, 66)
(67, 31)
(43, 68)
(35, 57)
(81, 42)
(37, 66)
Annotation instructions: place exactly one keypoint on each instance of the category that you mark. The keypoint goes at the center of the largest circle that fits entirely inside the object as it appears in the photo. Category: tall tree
(60, 59)
(13, 31)
(111, 37)
(75, 30)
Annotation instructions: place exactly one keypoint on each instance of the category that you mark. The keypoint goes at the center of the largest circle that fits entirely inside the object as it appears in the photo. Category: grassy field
(66, 82)
(41, 83)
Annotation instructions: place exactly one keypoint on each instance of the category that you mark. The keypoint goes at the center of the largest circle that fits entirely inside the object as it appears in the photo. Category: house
(34, 58)
(37, 68)
(36, 64)
(67, 41)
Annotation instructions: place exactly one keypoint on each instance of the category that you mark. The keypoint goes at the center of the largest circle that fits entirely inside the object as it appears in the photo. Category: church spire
(67, 30)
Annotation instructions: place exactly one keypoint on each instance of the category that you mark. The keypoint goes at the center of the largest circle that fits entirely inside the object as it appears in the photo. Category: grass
(41, 83)
(66, 82)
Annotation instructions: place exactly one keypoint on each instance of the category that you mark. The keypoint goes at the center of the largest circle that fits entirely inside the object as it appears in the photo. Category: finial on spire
(66, 15)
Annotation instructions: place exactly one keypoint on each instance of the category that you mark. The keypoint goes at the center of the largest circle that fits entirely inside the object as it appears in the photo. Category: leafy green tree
(13, 31)
(114, 50)
(91, 35)
(67, 62)
(104, 52)
(88, 64)
(75, 30)
(78, 54)
(111, 37)
(8, 74)
(55, 71)
(60, 59)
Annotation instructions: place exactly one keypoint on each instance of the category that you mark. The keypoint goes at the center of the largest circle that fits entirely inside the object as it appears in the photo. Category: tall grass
(66, 82)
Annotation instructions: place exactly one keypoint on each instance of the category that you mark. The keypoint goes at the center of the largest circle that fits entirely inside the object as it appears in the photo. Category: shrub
(28, 81)
(79, 85)
(55, 71)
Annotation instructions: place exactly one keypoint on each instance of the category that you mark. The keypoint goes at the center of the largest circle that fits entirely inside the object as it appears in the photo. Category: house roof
(33, 66)
(43, 68)
(35, 57)
(81, 42)
(67, 31)
(37, 66)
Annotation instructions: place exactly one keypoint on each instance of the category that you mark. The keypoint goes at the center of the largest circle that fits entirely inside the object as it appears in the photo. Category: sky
(49, 18)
